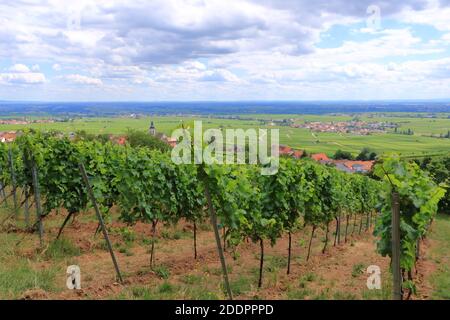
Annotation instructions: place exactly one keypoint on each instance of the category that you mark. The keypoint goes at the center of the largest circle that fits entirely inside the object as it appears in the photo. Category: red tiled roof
(365, 165)
(298, 154)
(320, 157)
(8, 136)
(121, 140)
(286, 150)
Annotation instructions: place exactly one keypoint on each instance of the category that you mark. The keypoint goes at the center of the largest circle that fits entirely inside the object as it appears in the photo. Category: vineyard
(43, 175)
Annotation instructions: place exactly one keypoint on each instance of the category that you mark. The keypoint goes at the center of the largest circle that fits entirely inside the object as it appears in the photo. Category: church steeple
(152, 129)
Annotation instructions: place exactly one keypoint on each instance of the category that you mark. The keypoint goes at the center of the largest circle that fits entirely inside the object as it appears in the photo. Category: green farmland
(418, 144)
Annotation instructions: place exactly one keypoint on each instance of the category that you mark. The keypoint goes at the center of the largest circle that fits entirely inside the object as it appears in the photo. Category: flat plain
(424, 141)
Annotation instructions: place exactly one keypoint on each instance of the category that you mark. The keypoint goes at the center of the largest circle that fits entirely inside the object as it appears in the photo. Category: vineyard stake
(261, 262)
(354, 223)
(100, 219)
(289, 253)
(361, 224)
(70, 214)
(326, 238)
(397, 277)
(336, 231)
(26, 208)
(152, 252)
(224, 235)
(3, 193)
(13, 178)
(339, 228)
(346, 226)
(219, 245)
(195, 240)
(37, 200)
(310, 242)
(417, 252)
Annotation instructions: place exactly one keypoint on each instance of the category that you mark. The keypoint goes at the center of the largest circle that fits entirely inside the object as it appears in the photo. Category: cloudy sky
(135, 50)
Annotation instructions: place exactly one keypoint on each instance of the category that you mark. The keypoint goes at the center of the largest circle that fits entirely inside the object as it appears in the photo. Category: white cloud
(220, 75)
(19, 68)
(22, 78)
(239, 48)
(21, 74)
(434, 15)
(84, 80)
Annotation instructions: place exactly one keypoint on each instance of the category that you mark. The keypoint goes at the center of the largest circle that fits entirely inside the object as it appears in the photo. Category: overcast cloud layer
(224, 50)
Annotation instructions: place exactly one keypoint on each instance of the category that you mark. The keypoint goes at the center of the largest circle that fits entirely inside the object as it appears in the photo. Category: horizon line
(446, 100)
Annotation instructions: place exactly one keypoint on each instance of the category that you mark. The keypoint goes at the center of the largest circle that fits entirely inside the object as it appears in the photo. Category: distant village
(354, 127)
(26, 122)
(350, 166)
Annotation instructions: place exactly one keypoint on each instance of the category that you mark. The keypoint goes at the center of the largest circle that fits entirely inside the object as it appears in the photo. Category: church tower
(152, 129)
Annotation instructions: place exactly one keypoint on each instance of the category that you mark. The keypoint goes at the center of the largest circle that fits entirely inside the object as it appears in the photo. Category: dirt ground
(339, 273)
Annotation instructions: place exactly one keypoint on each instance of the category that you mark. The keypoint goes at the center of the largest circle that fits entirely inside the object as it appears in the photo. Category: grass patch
(163, 291)
(298, 294)
(16, 279)
(173, 235)
(142, 293)
(357, 270)
(202, 294)
(102, 245)
(241, 285)
(127, 235)
(62, 248)
(274, 263)
(166, 288)
(192, 279)
(339, 295)
(441, 254)
(125, 250)
(218, 271)
(322, 295)
(204, 226)
(309, 277)
(162, 272)
(385, 293)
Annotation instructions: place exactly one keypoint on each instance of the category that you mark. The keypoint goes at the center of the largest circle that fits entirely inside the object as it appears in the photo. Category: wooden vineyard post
(100, 219)
(396, 272)
(26, 208)
(2, 192)
(37, 200)
(13, 178)
(213, 217)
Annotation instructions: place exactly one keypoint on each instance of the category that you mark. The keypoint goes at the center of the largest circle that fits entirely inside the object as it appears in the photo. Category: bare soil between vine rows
(339, 273)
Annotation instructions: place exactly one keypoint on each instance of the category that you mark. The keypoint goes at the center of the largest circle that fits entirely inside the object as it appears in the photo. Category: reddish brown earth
(327, 276)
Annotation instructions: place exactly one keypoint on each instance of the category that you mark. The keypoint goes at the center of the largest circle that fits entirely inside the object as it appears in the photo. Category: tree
(366, 155)
(343, 155)
(142, 139)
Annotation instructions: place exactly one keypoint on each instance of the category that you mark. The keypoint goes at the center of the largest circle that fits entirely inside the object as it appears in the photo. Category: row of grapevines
(418, 198)
(264, 207)
(147, 186)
